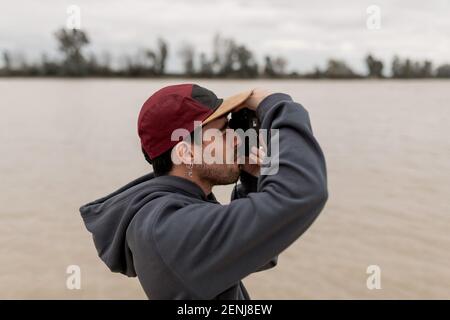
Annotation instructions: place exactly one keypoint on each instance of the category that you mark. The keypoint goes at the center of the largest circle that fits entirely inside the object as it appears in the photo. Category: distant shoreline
(220, 79)
(230, 60)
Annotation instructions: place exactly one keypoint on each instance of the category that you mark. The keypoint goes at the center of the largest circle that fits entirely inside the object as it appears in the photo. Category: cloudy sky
(306, 33)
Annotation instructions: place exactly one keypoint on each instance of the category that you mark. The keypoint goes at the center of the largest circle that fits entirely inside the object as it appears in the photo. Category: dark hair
(162, 164)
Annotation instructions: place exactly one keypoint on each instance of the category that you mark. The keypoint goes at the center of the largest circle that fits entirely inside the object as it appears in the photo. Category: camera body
(245, 119)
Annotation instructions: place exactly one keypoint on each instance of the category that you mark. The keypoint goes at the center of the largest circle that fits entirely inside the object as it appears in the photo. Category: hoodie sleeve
(210, 247)
(249, 183)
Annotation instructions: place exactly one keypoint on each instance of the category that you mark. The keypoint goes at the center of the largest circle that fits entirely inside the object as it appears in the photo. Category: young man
(167, 228)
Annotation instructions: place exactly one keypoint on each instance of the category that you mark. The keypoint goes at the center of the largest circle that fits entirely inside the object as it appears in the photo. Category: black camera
(245, 119)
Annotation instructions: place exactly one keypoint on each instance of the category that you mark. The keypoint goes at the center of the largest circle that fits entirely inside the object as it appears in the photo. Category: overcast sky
(304, 32)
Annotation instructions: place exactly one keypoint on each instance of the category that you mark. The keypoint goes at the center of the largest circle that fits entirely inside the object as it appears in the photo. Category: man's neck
(204, 185)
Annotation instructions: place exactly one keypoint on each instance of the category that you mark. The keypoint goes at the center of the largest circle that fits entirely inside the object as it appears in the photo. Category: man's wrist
(269, 101)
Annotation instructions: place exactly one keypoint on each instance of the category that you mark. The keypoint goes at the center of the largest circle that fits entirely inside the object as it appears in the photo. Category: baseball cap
(178, 106)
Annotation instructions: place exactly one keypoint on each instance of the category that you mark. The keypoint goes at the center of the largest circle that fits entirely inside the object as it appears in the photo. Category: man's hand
(254, 161)
(252, 102)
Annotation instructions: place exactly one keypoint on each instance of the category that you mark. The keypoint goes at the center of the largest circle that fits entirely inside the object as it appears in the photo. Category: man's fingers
(253, 159)
(256, 155)
(262, 152)
(258, 152)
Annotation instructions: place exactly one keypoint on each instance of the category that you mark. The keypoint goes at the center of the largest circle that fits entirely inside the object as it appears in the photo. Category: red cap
(178, 106)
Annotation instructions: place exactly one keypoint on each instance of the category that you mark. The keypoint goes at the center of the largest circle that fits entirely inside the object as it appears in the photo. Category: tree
(443, 71)
(105, 64)
(338, 69)
(426, 71)
(279, 66)
(228, 66)
(268, 67)
(221, 62)
(206, 68)
(7, 65)
(48, 67)
(232, 60)
(274, 67)
(161, 60)
(245, 64)
(71, 44)
(411, 69)
(187, 54)
(396, 67)
(374, 66)
(407, 69)
(141, 64)
(149, 62)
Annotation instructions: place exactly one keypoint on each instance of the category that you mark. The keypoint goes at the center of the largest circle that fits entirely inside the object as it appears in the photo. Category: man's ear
(182, 153)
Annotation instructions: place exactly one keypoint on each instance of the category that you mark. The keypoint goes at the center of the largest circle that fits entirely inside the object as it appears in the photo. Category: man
(167, 228)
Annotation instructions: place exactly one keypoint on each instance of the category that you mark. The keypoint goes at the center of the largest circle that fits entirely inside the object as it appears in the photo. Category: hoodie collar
(184, 186)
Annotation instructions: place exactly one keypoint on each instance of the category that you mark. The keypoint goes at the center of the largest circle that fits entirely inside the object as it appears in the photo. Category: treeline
(229, 59)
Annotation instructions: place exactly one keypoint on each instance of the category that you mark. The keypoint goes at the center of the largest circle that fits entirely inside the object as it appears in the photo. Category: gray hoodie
(183, 244)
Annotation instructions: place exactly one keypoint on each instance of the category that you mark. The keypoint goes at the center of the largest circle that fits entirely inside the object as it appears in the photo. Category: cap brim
(228, 105)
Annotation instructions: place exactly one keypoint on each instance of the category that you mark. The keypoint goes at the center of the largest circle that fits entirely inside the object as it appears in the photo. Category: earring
(189, 169)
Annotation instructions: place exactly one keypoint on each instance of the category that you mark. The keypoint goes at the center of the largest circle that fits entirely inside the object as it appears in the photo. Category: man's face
(224, 172)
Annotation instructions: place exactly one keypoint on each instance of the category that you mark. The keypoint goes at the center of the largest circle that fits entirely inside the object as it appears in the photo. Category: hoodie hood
(108, 218)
